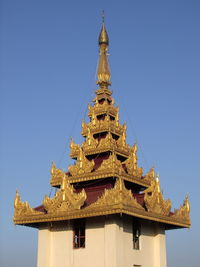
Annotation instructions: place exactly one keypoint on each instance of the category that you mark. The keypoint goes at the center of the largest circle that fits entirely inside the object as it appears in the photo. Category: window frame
(136, 231)
(79, 233)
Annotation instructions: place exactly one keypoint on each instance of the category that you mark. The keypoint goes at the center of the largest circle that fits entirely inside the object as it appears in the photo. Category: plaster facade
(108, 243)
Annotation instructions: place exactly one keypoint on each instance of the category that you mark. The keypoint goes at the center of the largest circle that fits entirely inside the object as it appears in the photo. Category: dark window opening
(112, 118)
(101, 117)
(136, 234)
(79, 234)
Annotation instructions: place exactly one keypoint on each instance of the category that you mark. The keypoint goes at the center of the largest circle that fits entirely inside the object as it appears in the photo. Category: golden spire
(103, 69)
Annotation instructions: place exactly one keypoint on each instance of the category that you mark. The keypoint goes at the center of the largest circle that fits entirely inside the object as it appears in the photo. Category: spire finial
(103, 36)
(103, 16)
(103, 69)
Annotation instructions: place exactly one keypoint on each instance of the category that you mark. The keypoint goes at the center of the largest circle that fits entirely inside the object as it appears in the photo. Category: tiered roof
(106, 178)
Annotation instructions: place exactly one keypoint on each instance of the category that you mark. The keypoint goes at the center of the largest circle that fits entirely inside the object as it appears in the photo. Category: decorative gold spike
(117, 195)
(154, 199)
(90, 142)
(74, 148)
(84, 128)
(121, 142)
(23, 208)
(83, 165)
(131, 163)
(112, 163)
(184, 212)
(103, 69)
(103, 36)
(108, 141)
(150, 176)
(56, 174)
(65, 199)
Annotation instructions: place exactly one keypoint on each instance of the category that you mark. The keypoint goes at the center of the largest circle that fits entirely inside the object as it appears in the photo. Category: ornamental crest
(83, 165)
(65, 199)
(154, 199)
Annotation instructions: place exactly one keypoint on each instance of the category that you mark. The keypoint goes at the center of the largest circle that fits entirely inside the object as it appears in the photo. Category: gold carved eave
(90, 151)
(102, 109)
(99, 126)
(103, 91)
(92, 146)
(118, 200)
(154, 199)
(66, 204)
(115, 209)
(56, 181)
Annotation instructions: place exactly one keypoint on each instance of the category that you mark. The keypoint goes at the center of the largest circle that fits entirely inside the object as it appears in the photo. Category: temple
(106, 210)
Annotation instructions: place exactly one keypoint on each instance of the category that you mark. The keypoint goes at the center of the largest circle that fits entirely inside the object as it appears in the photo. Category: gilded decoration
(90, 142)
(74, 148)
(105, 107)
(108, 141)
(83, 165)
(117, 195)
(112, 163)
(150, 176)
(103, 68)
(184, 212)
(65, 199)
(67, 204)
(121, 142)
(97, 126)
(56, 174)
(154, 199)
(131, 163)
(23, 208)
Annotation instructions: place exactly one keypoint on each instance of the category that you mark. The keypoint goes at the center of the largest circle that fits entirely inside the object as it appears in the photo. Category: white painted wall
(108, 244)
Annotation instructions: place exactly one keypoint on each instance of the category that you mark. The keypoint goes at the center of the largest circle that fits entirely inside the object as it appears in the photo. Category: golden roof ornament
(154, 199)
(83, 165)
(115, 196)
(184, 212)
(103, 154)
(131, 163)
(103, 69)
(65, 199)
(22, 208)
(103, 36)
(56, 174)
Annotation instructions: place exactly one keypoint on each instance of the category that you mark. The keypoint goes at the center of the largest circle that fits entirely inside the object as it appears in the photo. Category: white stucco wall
(108, 244)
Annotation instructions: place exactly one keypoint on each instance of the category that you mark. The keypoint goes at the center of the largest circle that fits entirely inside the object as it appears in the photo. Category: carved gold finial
(56, 174)
(103, 36)
(131, 163)
(103, 16)
(17, 198)
(83, 165)
(150, 176)
(186, 203)
(103, 69)
(154, 199)
(66, 199)
(22, 208)
(184, 212)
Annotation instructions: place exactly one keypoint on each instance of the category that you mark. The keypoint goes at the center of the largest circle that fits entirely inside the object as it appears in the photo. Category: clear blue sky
(48, 58)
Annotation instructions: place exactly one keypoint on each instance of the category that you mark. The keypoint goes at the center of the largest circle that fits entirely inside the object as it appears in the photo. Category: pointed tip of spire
(103, 36)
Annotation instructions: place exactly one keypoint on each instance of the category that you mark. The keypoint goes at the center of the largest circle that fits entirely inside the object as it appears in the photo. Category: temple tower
(106, 211)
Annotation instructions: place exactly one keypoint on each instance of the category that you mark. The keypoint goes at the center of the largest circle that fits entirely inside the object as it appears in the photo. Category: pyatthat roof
(106, 178)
